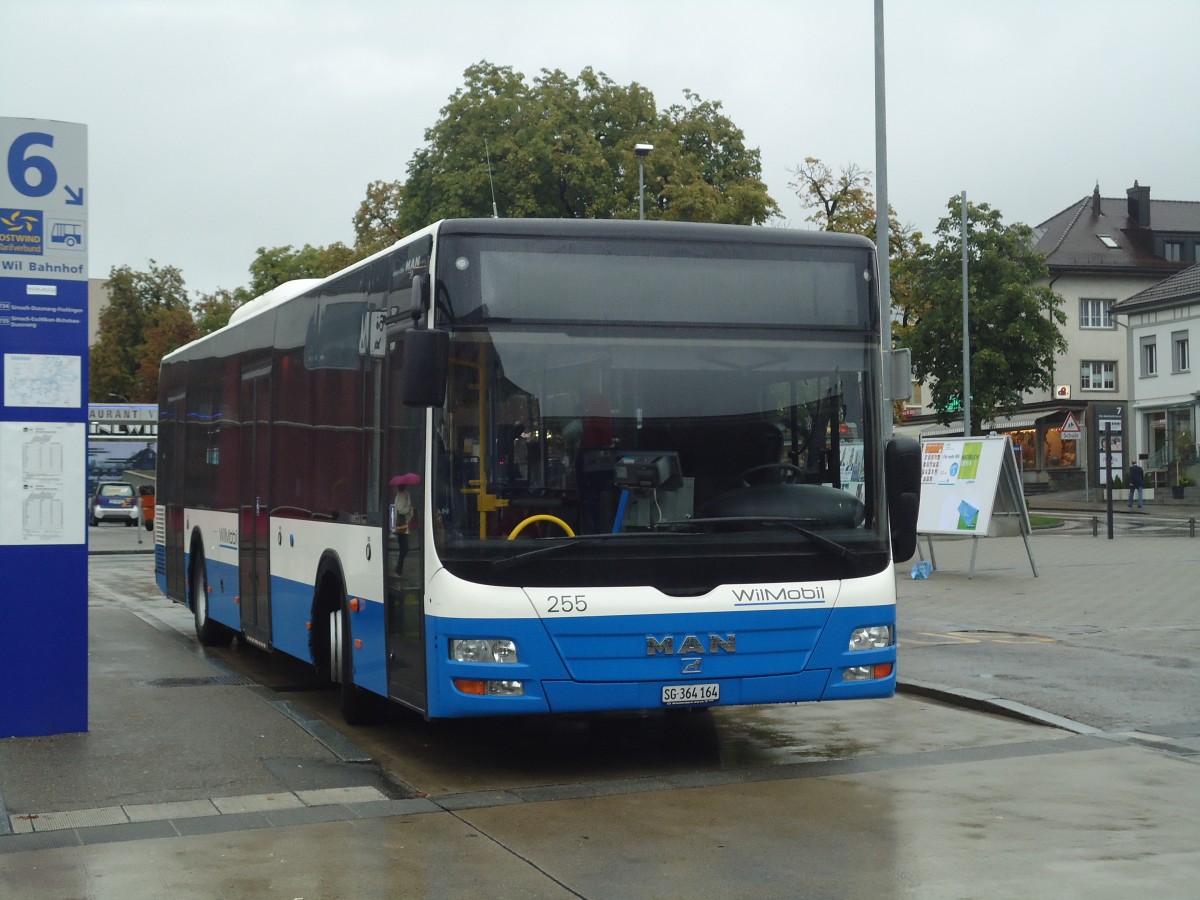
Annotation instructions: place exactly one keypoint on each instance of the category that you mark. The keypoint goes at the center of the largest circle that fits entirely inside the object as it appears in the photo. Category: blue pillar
(43, 427)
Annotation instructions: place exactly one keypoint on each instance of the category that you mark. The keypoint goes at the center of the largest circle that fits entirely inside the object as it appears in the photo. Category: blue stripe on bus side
(222, 594)
(291, 605)
(782, 655)
(370, 660)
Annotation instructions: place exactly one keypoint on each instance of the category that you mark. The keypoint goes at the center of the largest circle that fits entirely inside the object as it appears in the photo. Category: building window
(1098, 375)
(1180, 356)
(1149, 357)
(1107, 241)
(1173, 251)
(1095, 314)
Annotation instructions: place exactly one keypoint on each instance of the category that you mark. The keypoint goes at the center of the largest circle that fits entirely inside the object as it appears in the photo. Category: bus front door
(254, 589)
(401, 432)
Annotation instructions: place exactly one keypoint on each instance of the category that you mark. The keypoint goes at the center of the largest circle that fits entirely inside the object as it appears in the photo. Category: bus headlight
(483, 650)
(873, 637)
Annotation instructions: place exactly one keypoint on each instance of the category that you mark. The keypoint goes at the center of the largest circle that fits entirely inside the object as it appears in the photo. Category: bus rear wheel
(208, 632)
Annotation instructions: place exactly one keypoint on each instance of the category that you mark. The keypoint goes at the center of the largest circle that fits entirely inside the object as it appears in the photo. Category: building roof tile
(1072, 239)
(1181, 287)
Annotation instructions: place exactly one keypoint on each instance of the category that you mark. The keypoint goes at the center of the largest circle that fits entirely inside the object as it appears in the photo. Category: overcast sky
(217, 127)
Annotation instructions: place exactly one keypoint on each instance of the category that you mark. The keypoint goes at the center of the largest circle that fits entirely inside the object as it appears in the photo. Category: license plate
(690, 693)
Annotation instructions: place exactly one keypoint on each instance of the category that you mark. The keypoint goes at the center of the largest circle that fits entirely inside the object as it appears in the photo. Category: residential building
(1102, 251)
(1164, 402)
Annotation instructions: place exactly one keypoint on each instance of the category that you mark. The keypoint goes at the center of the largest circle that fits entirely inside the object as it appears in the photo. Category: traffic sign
(1070, 428)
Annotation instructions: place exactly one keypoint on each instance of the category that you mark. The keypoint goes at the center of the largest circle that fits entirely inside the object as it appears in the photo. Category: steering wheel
(540, 517)
(785, 472)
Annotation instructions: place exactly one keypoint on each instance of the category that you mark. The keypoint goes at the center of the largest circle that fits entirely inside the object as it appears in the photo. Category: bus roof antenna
(487, 150)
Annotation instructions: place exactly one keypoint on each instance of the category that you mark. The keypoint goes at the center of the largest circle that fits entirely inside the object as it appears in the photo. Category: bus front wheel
(353, 700)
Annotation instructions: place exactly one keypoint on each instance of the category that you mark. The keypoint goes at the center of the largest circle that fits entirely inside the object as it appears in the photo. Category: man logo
(690, 644)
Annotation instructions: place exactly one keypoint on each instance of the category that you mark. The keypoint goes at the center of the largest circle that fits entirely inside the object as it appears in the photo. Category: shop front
(1049, 456)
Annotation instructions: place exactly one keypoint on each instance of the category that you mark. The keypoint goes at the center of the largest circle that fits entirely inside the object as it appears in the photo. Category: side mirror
(426, 367)
(899, 366)
(902, 474)
(419, 297)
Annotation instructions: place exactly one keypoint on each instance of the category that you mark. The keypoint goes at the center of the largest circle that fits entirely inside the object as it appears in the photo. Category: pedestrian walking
(1137, 482)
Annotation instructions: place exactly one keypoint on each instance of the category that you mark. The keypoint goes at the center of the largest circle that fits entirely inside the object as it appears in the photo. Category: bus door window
(402, 484)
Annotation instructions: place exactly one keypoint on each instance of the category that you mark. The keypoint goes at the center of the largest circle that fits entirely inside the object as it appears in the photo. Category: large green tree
(562, 147)
(1014, 317)
(146, 312)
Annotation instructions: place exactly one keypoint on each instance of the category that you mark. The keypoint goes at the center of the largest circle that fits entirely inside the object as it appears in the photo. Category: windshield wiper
(841, 551)
(507, 562)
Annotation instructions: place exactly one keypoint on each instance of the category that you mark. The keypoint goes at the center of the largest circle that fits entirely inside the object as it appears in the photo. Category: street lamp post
(642, 151)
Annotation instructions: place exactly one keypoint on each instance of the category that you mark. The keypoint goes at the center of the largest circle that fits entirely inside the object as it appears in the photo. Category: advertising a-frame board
(971, 487)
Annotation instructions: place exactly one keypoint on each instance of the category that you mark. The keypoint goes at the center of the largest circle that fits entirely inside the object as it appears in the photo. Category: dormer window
(1107, 241)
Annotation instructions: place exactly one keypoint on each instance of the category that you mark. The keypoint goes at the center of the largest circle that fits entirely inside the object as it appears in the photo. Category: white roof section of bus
(281, 293)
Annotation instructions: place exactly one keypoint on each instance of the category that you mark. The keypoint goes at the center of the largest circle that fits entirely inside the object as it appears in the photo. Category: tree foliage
(212, 311)
(146, 310)
(562, 147)
(377, 221)
(559, 146)
(844, 201)
(1014, 317)
(275, 265)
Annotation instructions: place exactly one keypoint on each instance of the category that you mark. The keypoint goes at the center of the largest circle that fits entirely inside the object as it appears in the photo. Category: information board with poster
(971, 487)
(1111, 440)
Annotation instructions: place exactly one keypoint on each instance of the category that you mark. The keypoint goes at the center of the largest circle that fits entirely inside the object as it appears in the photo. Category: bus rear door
(254, 587)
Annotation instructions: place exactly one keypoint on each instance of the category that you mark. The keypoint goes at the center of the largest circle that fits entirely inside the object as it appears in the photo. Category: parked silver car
(114, 501)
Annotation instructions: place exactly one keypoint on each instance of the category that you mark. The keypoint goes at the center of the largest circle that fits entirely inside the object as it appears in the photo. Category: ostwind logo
(21, 231)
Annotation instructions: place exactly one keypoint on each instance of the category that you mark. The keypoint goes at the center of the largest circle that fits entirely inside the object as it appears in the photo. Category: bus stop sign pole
(44, 241)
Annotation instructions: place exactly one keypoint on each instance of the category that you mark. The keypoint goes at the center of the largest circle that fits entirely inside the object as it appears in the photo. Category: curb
(993, 705)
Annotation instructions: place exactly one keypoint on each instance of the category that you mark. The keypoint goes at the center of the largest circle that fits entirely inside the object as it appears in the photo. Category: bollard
(1192, 527)
(1095, 526)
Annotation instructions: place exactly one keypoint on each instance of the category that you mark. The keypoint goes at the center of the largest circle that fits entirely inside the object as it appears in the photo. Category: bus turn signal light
(479, 688)
(868, 673)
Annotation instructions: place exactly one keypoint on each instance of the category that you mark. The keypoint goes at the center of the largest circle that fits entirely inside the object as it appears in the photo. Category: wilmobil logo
(765, 595)
(21, 231)
(228, 537)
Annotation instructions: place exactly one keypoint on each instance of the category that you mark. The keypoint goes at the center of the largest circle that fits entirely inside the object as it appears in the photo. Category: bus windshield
(618, 452)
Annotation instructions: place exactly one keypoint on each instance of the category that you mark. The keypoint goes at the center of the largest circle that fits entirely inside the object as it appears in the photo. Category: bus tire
(353, 700)
(208, 632)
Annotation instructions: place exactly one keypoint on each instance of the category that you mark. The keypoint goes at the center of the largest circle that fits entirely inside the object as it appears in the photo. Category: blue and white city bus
(546, 466)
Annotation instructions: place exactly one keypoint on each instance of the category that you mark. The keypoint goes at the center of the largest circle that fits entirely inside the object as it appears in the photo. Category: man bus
(535, 466)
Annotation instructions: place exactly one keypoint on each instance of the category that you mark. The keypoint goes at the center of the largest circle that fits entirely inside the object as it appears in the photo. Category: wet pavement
(193, 783)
